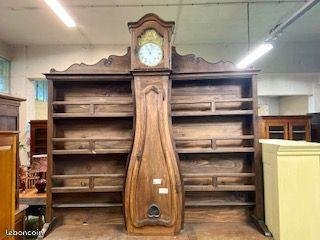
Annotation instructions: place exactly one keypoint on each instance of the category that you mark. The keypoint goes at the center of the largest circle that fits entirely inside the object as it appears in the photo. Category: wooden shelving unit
(91, 132)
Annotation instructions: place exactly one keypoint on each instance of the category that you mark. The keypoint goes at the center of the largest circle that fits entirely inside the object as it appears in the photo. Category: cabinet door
(299, 130)
(7, 189)
(277, 130)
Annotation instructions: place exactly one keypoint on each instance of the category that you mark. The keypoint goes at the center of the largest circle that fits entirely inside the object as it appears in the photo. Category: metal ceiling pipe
(278, 29)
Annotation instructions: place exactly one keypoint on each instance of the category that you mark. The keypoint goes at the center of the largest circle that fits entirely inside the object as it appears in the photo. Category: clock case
(163, 28)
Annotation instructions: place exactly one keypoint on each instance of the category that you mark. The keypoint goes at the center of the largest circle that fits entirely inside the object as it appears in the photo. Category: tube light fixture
(58, 9)
(254, 55)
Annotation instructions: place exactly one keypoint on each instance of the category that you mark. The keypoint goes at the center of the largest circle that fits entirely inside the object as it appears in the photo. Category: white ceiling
(197, 21)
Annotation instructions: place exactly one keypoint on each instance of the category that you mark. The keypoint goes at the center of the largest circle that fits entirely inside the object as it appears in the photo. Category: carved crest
(112, 64)
(191, 63)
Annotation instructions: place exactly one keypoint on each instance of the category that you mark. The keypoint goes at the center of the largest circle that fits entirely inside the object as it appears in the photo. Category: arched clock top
(151, 17)
(112, 64)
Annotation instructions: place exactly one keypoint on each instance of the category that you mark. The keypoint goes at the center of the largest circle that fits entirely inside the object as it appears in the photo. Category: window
(41, 90)
(4, 75)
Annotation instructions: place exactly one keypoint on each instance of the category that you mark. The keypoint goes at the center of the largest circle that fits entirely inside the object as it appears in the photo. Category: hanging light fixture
(266, 46)
(59, 10)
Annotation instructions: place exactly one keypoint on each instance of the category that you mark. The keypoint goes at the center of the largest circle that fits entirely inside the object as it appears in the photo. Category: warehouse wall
(5, 50)
(293, 105)
(281, 77)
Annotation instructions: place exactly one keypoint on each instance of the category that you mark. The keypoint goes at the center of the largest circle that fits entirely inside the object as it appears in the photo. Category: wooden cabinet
(175, 143)
(8, 148)
(292, 189)
(38, 137)
(315, 126)
(285, 127)
(9, 121)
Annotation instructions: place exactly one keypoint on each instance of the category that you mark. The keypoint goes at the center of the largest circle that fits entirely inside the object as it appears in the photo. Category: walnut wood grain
(153, 157)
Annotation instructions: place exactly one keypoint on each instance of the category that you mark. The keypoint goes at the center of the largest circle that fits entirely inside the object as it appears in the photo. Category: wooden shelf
(80, 176)
(215, 186)
(215, 203)
(218, 150)
(86, 205)
(212, 203)
(210, 113)
(214, 148)
(219, 188)
(87, 189)
(175, 101)
(91, 146)
(84, 115)
(210, 175)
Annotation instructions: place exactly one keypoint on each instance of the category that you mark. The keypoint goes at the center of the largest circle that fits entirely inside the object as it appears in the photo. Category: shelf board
(86, 205)
(86, 189)
(240, 137)
(207, 175)
(87, 115)
(91, 139)
(214, 203)
(86, 151)
(175, 99)
(80, 176)
(219, 188)
(217, 150)
(105, 101)
(211, 113)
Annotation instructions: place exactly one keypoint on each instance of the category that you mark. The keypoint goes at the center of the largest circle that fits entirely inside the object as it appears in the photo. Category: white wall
(5, 50)
(284, 72)
(293, 105)
(268, 106)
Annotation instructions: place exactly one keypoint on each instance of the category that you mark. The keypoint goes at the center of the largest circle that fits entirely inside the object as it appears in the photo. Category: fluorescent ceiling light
(254, 55)
(61, 12)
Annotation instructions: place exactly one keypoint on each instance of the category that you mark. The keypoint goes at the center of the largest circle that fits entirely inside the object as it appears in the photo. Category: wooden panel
(153, 158)
(8, 143)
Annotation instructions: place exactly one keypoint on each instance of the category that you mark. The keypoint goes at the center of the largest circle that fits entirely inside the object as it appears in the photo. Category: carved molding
(190, 63)
(151, 17)
(112, 64)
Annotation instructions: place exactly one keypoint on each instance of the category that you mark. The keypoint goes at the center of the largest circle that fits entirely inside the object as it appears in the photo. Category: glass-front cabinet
(285, 127)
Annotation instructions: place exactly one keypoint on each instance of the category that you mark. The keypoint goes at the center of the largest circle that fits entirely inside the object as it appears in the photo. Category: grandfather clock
(153, 188)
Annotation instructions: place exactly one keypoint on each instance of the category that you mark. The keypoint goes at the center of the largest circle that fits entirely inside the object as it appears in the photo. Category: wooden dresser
(292, 188)
(285, 127)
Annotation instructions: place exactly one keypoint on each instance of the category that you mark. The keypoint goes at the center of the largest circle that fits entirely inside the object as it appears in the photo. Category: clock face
(150, 54)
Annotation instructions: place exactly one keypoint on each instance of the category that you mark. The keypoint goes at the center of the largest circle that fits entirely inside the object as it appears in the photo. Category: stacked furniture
(285, 127)
(292, 188)
(198, 149)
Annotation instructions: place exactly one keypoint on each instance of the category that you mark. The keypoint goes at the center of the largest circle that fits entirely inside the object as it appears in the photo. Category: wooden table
(31, 197)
